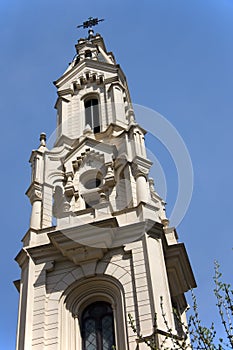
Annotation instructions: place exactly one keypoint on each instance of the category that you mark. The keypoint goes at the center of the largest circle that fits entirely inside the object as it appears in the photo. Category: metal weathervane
(91, 22)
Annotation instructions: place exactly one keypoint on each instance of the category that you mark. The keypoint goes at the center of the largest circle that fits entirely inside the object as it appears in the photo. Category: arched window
(92, 114)
(97, 327)
(76, 305)
(88, 54)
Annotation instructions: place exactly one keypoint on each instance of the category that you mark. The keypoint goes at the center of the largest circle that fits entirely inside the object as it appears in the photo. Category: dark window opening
(97, 327)
(92, 183)
(92, 114)
(88, 54)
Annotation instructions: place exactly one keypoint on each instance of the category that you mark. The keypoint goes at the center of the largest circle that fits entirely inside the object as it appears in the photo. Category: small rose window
(91, 179)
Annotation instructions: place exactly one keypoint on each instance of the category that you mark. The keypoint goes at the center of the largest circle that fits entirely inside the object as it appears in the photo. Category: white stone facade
(111, 241)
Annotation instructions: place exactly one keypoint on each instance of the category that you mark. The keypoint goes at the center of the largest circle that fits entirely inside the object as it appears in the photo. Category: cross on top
(91, 22)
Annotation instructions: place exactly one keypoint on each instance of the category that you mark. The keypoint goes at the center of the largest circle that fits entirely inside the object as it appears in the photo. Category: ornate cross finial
(90, 23)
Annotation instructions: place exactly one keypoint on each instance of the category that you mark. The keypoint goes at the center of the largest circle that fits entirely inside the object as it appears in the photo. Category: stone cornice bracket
(86, 78)
(34, 192)
(76, 164)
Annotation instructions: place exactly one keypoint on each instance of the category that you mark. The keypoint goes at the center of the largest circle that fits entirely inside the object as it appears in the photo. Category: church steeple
(99, 246)
(93, 91)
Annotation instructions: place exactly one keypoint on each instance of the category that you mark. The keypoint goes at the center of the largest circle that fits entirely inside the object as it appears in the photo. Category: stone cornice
(154, 229)
(110, 129)
(74, 251)
(44, 253)
(180, 273)
(103, 234)
(114, 79)
(141, 166)
(30, 231)
(62, 141)
(146, 163)
(35, 152)
(22, 258)
(84, 243)
(65, 92)
(17, 285)
(87, 63)
(114, 83)
(135, 125)
(26, 237)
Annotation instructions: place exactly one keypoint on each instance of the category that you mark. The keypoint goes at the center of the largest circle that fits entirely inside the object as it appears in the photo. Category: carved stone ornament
(109, 179)
(37, 195)
(66, 207)
(69, 190)
(69, 187)
(34, 192)
(138, 170)
(68, 244)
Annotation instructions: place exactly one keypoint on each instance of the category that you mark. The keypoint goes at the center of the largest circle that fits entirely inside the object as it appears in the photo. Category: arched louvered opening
(92, 114)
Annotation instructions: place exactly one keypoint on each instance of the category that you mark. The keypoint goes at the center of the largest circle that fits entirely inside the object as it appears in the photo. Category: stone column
(141, 186)
(140, 170)
(36, 213)
(35, 195)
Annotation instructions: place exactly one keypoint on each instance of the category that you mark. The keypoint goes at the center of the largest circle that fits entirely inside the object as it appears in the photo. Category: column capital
(34, 192)
(138, 170)
(141, 167)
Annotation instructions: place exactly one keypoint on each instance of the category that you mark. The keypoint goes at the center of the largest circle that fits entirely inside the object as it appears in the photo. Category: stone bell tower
(99, 246)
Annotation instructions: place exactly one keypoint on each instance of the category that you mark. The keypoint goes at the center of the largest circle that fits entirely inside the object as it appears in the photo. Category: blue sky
(177, 56)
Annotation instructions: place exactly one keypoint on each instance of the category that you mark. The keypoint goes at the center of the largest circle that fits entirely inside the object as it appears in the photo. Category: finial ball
(43, 136)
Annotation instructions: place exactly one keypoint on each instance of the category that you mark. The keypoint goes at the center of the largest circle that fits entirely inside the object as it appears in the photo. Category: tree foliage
(195, 335)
